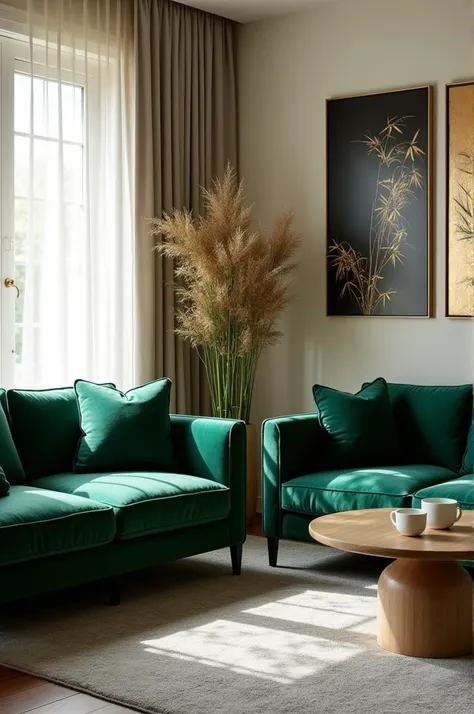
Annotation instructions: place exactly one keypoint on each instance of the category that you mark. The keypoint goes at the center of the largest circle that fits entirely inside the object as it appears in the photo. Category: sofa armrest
(291, 446)
(215, 449)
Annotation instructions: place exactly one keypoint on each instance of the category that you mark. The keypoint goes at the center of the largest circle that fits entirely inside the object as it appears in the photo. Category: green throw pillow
(4, 485)
(122, 432)
(45, 426)
(360, 427)
(9, 460)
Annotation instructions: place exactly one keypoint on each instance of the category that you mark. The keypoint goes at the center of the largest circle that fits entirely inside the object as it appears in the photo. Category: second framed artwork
(460, 200)
(379, 204)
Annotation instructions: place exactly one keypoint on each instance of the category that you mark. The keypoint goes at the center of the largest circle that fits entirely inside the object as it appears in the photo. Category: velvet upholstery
(360, 427)
(299, 482)
(36, 523)
(432, 422)
(62, 538)
(4, 484)
(124, 431)
(461, 489)
(45, 427)
(352, 489)
(147, 503)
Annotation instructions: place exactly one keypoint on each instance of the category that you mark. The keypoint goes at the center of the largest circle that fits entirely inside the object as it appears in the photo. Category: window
(66, 213)
(48, 196)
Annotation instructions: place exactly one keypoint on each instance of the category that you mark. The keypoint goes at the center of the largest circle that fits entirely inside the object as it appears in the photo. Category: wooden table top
(371, 532)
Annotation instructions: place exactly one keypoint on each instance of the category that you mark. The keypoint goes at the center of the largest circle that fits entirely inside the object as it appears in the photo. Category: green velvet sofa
(298, 484)
(59, 529)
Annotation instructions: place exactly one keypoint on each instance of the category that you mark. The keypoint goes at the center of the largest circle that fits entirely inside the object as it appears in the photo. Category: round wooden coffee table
(424, 596)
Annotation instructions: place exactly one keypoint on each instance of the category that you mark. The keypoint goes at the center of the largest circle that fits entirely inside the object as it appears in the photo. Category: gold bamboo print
(399, 180)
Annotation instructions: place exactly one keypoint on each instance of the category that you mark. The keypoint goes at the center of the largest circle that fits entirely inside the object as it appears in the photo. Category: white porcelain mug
(409, 521)
(441, 513)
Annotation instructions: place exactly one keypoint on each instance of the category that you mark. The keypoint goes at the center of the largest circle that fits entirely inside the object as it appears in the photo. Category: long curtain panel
(185, 134)
(74, 192)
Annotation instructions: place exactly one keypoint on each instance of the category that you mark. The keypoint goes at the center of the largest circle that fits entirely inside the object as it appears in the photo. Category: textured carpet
(191, 639)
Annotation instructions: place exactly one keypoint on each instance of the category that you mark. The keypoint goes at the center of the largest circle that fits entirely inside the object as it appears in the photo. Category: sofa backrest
(45, 428)
(433, 422)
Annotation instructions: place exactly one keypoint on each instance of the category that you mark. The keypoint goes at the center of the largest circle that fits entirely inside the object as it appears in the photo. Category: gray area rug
(189, 638)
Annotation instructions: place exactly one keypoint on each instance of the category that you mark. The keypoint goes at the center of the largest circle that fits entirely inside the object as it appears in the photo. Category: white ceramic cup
(409, 521)
(441, 512)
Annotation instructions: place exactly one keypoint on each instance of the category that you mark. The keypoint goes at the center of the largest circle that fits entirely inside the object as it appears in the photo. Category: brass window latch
(10, 283)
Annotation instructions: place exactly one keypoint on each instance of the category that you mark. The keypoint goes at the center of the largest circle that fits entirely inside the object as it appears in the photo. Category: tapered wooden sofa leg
(272, 544)
(115, 591)
(236, 558)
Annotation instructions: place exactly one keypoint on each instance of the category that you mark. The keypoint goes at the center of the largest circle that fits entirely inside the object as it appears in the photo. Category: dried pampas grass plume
(232, 285)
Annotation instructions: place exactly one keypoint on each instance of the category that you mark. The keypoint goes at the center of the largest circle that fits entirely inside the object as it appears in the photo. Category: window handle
(10, 283)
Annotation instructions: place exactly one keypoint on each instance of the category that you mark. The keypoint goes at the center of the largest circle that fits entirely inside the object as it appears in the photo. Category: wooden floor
(21, 693)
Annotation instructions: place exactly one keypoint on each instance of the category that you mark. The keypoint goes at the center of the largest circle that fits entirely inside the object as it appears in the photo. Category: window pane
(22, 102)
(47, 94)
(18, 344)
(74, 230)
(72, 110)
(45, 107)
(72, 173)
(38, 230)
(46, 177)
(22, 166)
(21, 228)
(20, 270)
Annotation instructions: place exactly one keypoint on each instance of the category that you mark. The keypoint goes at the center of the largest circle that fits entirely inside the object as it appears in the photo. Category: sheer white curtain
(73, 170)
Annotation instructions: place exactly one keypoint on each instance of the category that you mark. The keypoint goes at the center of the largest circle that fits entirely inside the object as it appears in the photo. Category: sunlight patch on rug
(337, 611)
(264, 652)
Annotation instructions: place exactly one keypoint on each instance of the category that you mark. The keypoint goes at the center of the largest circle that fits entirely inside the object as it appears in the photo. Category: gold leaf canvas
(460, 200)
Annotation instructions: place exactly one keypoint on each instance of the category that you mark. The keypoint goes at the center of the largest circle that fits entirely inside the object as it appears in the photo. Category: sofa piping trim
(59, 518)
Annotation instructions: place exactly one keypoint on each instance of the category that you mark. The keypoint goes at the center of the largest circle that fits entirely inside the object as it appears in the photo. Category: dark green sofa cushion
(461, 489)
(147, 503)
(9, 458)
(45, 426)
(4, 484)
(350, 489)
(468, 460)
(124, 431)
(360, 427)
(432, 422)
(35, 523)
(4, 401)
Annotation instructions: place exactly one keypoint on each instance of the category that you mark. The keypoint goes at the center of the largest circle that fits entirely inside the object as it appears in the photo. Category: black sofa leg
(236, 558)
(115, 591)
(272, 544)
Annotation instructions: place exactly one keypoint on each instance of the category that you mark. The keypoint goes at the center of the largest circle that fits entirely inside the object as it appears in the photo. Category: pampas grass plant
(232, 284)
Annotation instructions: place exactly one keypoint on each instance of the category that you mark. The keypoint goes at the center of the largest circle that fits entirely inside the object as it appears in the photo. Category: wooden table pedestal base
(425, 608)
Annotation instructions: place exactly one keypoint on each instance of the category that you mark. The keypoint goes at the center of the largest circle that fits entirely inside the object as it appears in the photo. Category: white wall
(288, 67)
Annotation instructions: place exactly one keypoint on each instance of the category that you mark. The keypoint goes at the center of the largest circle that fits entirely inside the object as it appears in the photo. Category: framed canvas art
(379, 204)
(460, 200)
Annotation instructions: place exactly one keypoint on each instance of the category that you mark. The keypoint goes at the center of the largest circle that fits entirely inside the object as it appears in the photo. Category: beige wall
(288, 67)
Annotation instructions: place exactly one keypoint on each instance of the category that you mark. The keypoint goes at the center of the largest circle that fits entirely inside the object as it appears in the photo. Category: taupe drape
(186, 134)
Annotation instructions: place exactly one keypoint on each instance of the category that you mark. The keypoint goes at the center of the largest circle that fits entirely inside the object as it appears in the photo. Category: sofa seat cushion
(147, 503)
(35, 523)
(351, 489)
(461, 489)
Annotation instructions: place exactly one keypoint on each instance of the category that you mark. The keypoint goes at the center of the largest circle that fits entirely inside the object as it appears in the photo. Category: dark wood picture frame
(460, 200)
(380, 267)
